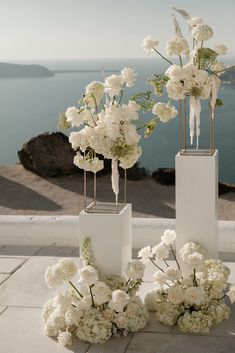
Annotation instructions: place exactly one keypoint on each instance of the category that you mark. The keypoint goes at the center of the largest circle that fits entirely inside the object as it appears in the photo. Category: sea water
(30, 106)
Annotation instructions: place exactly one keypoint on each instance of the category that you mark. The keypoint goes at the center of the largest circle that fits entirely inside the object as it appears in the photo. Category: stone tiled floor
(23, 292)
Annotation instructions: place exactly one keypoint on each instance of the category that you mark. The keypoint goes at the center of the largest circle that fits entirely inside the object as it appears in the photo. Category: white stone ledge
(64, 231)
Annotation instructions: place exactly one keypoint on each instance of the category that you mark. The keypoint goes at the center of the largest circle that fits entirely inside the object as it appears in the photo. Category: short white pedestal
(196, 201)
(111, 239)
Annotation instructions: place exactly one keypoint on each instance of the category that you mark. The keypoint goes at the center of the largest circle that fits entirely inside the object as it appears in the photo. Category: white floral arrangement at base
(98, 308)
(191, 297)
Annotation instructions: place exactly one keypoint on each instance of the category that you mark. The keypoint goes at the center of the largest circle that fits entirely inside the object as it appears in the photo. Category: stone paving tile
(168, 343)
(155, 326)
(18, 250)
(2, 308)
(21, 331)
(9, 264)
(115, 345)
(26, 287)
(58, 251)
(3, 278)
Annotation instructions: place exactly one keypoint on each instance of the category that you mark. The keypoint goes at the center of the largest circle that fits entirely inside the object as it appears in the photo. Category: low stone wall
(64, 231)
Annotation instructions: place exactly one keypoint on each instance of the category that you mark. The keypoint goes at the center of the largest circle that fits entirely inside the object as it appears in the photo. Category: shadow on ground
(17, 196)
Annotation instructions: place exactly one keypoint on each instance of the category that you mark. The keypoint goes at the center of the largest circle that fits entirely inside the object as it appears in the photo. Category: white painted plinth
(111, 239)
(196, 201)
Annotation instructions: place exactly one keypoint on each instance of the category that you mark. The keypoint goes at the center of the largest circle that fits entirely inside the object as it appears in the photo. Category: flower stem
(175, 257)
(74, 330)
(93, 303)
(156, 265)
(194, 278)
(181, 63)
(76, 290)
(163, 57)
(166, 262)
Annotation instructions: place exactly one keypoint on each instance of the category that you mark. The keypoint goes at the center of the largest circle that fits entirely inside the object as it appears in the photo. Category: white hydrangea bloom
(77, 116)
(88, 275)
(161, 251)
(128, 76)
(90, 165)
(218, 66)
(172, 273)
(65, 338)
(145, 253)
(113, 85)
(53, 276)
(148, 44)
(221, 49)
(194, 21)
(67, 268)
(202, 32)
(196, 322)
(177, 46)
(135, 270)
(164, 111)
(94, 93)
(168, 237)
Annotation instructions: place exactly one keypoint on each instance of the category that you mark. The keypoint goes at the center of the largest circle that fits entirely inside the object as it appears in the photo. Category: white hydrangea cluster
(193, 299)
(196, 76)
(96, 309)
(164, 111)
(106, 125)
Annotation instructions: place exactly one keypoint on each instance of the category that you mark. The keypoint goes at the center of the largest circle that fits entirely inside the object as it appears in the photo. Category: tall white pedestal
(111, 239)
(196, 201)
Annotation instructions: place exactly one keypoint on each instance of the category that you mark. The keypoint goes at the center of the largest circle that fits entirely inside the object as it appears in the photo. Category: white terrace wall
(64, 230)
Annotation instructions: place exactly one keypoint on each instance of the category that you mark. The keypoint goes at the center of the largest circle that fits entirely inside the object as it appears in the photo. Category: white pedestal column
(111, 239)
(196, 201)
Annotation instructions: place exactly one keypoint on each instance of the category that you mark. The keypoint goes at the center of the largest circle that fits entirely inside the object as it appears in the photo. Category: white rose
(148, 44)
(135, 270)
(159, 278)
(65, 338)
(85, 303)
(113, 85)
(221, 49)
(121, 321)
(145, 253)
(128, 76)
(168, 237)
(88, 275)
(202, 32)
(176, 294)
(175, 73)
(119, 300)
(101, 292)
(161, 251)
(194, 295)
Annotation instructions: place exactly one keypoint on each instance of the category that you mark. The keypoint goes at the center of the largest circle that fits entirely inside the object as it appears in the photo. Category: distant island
(23, 71)
(229, 76)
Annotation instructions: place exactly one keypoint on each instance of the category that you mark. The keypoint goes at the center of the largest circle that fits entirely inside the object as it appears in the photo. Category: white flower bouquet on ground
(191, 297)
(195, 75)
(106, 126)
(97, 308)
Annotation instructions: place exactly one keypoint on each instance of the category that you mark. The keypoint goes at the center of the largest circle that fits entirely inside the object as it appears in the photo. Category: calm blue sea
(31, 106)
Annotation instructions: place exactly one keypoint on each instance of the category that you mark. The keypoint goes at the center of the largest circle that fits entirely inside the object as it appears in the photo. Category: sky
(73, 29)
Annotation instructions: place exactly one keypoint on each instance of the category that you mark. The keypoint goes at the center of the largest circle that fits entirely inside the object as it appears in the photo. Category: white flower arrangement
(191, 297)
(97, 308)
(196, 76)
(106, 126)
